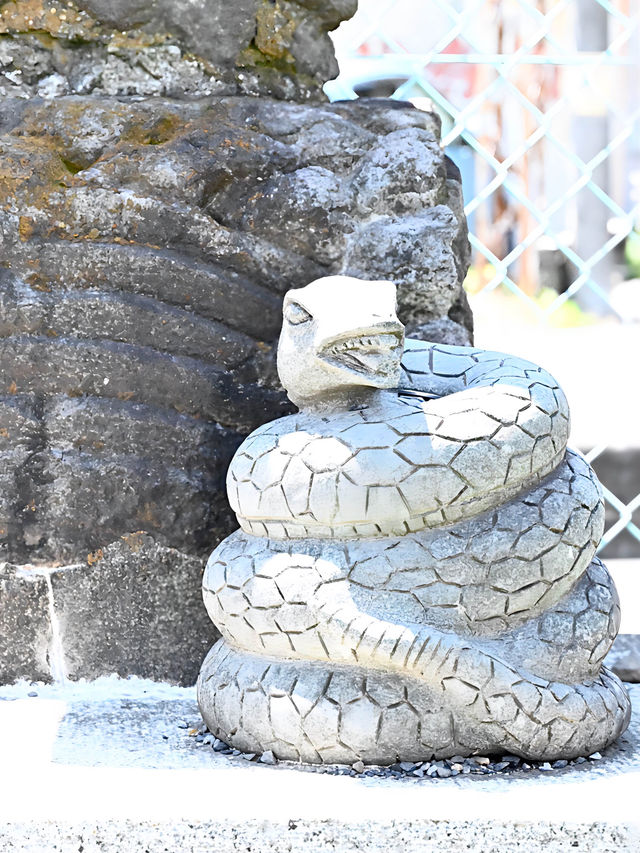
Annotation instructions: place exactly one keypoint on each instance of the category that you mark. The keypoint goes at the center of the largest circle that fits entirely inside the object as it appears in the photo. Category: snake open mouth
(364, 354)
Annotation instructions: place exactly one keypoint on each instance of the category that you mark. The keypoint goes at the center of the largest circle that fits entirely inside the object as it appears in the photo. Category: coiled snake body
(414, 575)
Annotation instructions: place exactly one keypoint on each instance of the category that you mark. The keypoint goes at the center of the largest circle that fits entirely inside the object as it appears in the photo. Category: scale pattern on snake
(415, 574)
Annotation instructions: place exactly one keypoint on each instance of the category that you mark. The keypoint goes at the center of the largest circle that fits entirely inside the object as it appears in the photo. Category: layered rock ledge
(169, 47)
(147, 246)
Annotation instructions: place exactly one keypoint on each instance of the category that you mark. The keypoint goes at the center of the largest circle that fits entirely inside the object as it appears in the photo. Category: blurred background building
(540, 108)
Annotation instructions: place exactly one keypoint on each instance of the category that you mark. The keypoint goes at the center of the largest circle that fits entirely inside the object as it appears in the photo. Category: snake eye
(296, 314)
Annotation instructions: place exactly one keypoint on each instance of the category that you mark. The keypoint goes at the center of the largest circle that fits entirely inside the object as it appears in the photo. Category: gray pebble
(359, 767)
(268, 757)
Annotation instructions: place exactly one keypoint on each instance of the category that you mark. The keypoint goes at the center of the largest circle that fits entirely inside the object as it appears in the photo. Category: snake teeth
(382, 343)
(363, 353)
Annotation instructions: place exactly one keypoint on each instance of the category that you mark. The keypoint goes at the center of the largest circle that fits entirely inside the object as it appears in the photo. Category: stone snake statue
(415, 574)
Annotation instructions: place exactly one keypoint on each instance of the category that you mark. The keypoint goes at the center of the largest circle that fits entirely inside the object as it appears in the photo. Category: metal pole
(590, 128)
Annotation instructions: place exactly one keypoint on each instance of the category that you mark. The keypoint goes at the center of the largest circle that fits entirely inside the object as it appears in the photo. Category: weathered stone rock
(168, 47)
(133, 608)
(25, 629)
(146, 248)
(624, 657)
(151, 219)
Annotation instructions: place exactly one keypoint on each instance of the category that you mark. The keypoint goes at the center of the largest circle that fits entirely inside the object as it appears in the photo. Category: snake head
(339, 334)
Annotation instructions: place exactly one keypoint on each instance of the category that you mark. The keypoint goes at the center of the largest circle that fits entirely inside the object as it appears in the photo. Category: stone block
(624, 657)
(25, 626)
(134, 608)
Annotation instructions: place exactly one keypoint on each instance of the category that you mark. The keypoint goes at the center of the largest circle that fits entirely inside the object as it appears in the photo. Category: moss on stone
(278, 48)
(274, 31)
(61, 20)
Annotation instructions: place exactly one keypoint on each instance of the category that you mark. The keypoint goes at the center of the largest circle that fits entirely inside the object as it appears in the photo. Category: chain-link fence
(540, 108)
